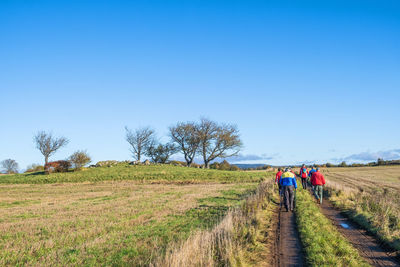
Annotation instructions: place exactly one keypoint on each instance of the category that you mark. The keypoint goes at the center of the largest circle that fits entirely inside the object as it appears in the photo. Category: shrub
(224, 166)
(234, 168)
(57, 166)
(79, 159)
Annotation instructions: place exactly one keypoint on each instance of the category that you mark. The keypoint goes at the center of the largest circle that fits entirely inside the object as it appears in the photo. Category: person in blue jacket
(289, 184)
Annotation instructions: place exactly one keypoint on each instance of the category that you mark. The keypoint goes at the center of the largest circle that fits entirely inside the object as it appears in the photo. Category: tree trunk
(206, 164)
(46, 160)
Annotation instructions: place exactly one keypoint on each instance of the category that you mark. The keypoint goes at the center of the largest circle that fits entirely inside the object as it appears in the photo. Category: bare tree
(9, 166)
(140, 140)
(48, 145)
(218, 140)
(185, 135)
(161, 153)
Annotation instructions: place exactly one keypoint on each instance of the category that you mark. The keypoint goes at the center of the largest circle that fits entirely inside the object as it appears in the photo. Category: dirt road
(287, 249)
(368, 247)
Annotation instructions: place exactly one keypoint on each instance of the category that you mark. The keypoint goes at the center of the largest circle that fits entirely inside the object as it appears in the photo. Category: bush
(35, 168)
(234, 168)
(79, 159)
(224, 166)
(57, 166)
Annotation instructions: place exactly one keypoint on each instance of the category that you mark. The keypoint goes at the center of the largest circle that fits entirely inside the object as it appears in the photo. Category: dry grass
(106, 223)
(223, 245)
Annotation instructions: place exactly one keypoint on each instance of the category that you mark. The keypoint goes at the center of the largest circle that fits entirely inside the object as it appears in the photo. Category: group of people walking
(287, 183)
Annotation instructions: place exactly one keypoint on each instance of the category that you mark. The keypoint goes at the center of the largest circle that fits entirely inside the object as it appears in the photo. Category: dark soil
(287, 249)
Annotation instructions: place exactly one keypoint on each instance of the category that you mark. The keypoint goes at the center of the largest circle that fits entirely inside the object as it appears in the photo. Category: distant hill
(249, 166)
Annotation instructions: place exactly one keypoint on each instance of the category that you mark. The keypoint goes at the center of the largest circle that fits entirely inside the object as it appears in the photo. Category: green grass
(323, 244)
(154, 174)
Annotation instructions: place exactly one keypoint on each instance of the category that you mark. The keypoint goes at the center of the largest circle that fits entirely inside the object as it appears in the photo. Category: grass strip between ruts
(322, 243)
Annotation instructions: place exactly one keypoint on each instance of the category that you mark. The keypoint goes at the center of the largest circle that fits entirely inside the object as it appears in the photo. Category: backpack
(304, 173)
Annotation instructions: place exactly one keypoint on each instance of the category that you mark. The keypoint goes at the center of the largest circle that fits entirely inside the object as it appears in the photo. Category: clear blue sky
(303, 80)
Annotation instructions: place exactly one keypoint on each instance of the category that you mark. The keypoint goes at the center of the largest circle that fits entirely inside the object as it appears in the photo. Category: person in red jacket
(303, 175)
(278, 177)
(318, 181)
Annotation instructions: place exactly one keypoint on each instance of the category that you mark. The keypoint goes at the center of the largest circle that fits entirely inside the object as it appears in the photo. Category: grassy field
(371, 197)
(124, 215)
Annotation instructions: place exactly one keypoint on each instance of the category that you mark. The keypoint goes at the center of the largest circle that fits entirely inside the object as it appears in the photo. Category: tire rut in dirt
(368, 246)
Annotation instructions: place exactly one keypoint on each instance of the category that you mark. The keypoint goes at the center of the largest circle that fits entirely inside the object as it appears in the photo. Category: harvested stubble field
(127, 218)
(365, 178)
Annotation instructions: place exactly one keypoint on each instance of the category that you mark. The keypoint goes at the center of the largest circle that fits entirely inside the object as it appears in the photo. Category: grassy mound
(153, 174)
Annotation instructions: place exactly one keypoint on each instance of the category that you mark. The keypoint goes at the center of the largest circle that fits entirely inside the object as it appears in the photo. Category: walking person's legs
(286, 197)
(320, 193)
(304, 183)
(315, 187)
(291, 197)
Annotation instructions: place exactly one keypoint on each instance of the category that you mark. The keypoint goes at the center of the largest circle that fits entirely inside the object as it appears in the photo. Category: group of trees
(47, 144)
(379, 162)
(207, 138)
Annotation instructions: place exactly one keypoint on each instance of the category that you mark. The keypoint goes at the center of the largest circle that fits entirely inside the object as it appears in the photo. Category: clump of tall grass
(224, 244)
